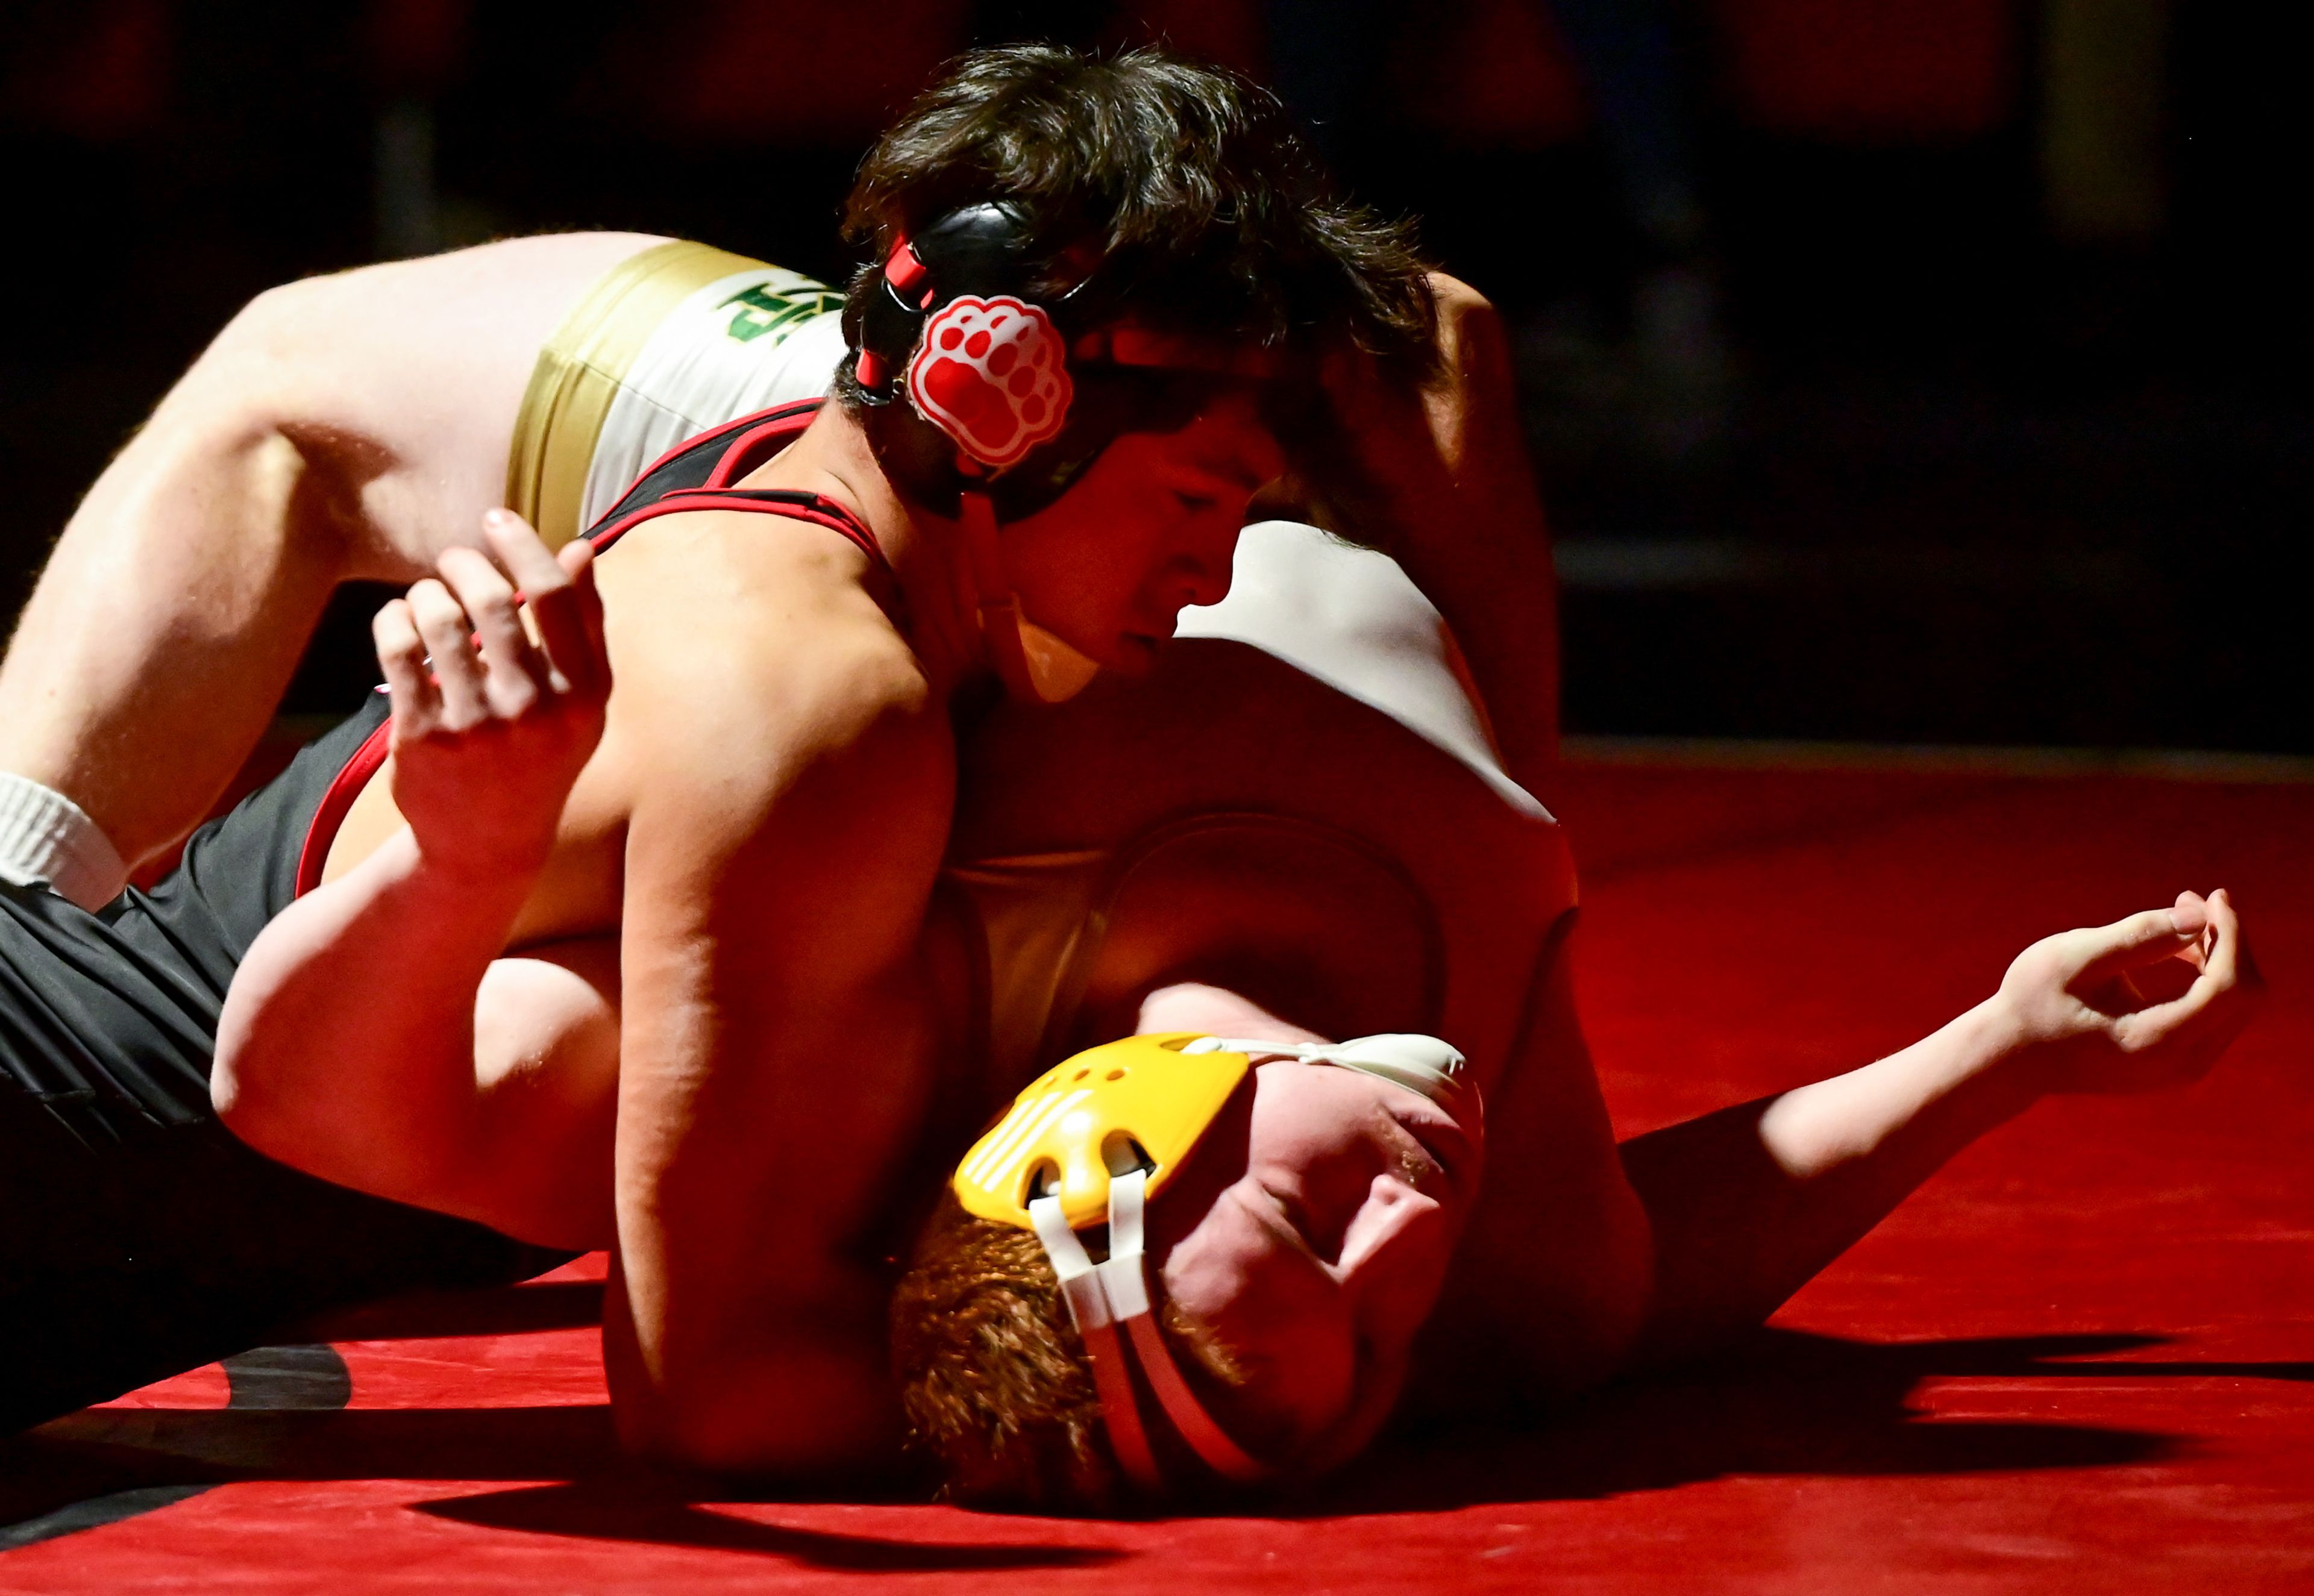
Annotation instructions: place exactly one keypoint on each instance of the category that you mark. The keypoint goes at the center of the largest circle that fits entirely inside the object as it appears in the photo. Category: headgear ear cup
(975, 251)
(992, 374)
(1146, 1093)
(949, 326)
(986, 370)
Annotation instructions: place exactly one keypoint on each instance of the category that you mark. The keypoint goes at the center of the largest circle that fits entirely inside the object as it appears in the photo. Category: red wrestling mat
(2079, 1361)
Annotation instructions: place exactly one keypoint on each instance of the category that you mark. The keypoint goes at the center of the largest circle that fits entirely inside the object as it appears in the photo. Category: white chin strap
(1420, 1063)
(1104, 1296)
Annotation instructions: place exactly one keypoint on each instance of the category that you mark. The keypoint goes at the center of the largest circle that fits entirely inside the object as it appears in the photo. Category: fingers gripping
(559, 592)
(2122, 1021)
(467, 625)
(2218, 955)
(457, 673)
(488, 736)
(401, 655)
(590, 653)
(513, 674)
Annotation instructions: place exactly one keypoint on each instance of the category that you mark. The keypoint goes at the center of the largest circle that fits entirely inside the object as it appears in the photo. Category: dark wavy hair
(1180, 192)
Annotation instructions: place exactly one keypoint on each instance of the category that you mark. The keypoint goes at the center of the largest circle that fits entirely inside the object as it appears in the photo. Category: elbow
(272, 324)
(1601, 1338)
(1598, 1326)
(243, 375)
(693, 1432)
(257, 1119)
(237, 1091)
(260, 1093)
(245, 1098)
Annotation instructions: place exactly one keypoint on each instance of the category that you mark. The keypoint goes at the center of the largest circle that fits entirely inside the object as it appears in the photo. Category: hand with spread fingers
(2144, 1003)
(491, 724)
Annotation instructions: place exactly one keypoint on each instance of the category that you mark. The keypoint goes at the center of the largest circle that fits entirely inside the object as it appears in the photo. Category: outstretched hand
(488, 742)
(2144, 1003)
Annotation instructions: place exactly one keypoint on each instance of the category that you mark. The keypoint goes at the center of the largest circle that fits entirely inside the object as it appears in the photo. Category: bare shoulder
(760, 692)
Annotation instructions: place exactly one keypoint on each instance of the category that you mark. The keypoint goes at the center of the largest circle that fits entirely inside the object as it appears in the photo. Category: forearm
(1496, 587)
(347, 1043)
(749, 1336)
(1747, 1204)
(1469, 528)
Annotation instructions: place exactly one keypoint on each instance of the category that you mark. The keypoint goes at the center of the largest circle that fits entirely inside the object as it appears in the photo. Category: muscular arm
(375, 1034)
(1458, 499)
(787, 792)
(453, 1078)
(775, 1043)
(341, 428)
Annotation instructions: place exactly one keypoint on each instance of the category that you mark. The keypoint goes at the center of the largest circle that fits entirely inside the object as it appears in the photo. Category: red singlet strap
(344, 788)
(745, 442)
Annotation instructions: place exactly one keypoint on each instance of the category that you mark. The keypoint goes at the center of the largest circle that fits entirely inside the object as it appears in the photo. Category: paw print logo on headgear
(991, 374)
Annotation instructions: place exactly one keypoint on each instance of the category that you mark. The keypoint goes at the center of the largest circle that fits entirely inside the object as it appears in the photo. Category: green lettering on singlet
(767, 310)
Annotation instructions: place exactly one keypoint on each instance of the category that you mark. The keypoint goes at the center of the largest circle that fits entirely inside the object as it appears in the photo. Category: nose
(1201, 572)
(1201, 582)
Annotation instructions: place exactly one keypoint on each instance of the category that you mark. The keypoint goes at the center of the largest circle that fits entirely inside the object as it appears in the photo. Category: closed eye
(1429, 1151)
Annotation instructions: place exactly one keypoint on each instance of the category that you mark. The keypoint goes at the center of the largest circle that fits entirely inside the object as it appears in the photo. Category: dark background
(1897, 370)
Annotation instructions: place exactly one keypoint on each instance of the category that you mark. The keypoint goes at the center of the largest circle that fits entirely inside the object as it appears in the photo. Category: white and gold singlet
(670, 343)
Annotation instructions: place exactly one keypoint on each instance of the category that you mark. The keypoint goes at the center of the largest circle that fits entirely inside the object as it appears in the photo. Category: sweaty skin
(759, 829)
(720, 1324)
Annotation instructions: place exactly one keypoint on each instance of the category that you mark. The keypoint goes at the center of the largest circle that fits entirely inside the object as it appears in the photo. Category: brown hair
(992, 1378)
(1182, 192)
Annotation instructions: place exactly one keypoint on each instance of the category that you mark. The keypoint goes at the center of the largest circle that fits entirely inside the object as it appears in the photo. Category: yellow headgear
(1138, 1103)
(1089, 1141)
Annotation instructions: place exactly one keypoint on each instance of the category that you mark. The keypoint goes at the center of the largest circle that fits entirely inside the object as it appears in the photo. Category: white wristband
(46, 840)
